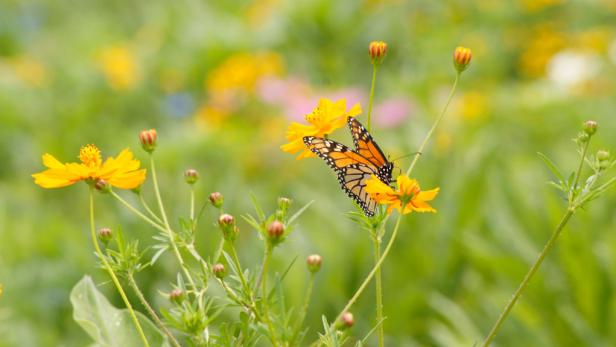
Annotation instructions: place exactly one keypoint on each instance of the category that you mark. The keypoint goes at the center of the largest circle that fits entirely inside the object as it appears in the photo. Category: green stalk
(264, 296)
(548, 246)
(434, 125)
(161, 207)
(304, 310)
(137, 212)
(379, 290)
(115, 280)
(374, 70)
(151, 312)
(149, 210)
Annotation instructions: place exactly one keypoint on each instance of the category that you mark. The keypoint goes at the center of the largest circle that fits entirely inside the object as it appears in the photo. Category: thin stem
(264, 296)
(434, 125)
(115, 280)
(240, 273)
(178, 255)
(221, 245)
(548, 246)
(192, 203)
(374, 70)
(573, 190)
(379, 290)
(149, 210)
(151, 312)
(376, 267)
(137, 212)
(304, 310)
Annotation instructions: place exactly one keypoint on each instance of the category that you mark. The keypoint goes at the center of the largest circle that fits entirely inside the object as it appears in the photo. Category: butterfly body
(354, 167)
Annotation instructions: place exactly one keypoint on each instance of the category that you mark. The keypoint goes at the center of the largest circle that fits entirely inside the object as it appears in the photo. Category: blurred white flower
(569, 69)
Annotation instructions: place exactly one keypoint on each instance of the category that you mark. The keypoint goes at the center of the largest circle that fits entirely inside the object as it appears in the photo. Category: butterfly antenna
(404, 156)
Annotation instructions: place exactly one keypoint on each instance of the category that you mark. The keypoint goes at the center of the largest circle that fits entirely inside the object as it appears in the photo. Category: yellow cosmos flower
(408, 194)
(122, 172)
(120, 67)
(324, 119)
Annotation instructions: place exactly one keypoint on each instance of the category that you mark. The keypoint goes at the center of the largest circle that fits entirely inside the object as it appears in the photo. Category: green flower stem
(151, 312)
(572, 192)
(379, 289)
(240, 273)
(137, 212)
(192, 203)
(115, 280)
(264, 296)
(548, 246)
(178, 255)
(149, 210)
(234, 297)
(302, 314)
(434, 125)
(371, 100)
(221, 245)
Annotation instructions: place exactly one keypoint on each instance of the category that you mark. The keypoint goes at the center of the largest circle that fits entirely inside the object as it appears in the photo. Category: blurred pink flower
(392, 112)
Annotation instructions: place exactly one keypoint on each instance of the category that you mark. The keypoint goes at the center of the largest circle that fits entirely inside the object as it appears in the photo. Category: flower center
(314, 116)
(90, 156)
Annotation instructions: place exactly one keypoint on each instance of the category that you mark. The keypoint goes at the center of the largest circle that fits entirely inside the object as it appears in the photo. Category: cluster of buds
(176, 296)
(377, 51)
(283, 207)
(216, 199)
(314, 263)
(228, 227)
(462, 58)
(602, 160)
(589, 129)
(148, 138)
(275, 232)
(191, 176)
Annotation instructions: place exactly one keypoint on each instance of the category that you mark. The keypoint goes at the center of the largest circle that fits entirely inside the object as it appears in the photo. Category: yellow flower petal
(51, 162)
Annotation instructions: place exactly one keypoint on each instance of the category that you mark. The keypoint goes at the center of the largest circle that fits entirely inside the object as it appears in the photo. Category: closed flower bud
(603, 155)
(314, 263)
(346, 321)
(148, 138)
(217, 199)
(102, 186)
(191, 176)
(176, 295)
(284, 203)
(461, 58)
(105, 235)
(275, 230)
(227, 225)
(590, 127)
(377, 51)
(219, 270)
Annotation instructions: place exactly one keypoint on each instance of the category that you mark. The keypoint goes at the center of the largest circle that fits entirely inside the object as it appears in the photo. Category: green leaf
(107, 325)
(298, 213)
(258, 209)
(550, 164)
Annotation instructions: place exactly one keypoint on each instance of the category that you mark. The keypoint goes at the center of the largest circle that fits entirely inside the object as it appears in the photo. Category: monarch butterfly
(353, 167)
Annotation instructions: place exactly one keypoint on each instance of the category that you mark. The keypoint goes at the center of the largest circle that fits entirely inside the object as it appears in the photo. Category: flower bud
(148, 138)
(284, 203)
(603, 155)
(219, 270)
(377, 51)
(590, 127)
(176, 296)
(102, 186)
(227, 225)
(314, 263)
(217, 199)
(191, 176)
(275, 230)
(461, 58)
(346, 321)
(105, 235)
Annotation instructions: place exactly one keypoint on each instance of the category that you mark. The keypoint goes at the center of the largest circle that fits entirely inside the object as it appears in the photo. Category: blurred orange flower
(408, 194)
(122, 172)
(324, 119)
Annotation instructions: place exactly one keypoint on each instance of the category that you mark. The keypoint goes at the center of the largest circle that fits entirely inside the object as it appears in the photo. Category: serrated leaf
(106, 324)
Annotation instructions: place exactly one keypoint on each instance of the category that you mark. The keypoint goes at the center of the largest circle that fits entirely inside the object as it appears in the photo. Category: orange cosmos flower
(324, 119)
(408, 194)
(122, 172)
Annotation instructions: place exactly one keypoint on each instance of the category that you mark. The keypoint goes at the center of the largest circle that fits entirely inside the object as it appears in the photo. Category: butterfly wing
(352, 169)
(368, 148)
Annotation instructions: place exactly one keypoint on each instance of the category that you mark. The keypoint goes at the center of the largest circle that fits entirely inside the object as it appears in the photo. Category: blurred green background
(221, 81)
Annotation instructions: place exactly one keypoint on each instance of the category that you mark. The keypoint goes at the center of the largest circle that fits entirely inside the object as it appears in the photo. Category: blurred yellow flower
(241, 72)
(30, 70)
(538, 5)
(119, 65)
(543, 44)
(122, 172)
(324, 119)
(473, 105)
(408, 194)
